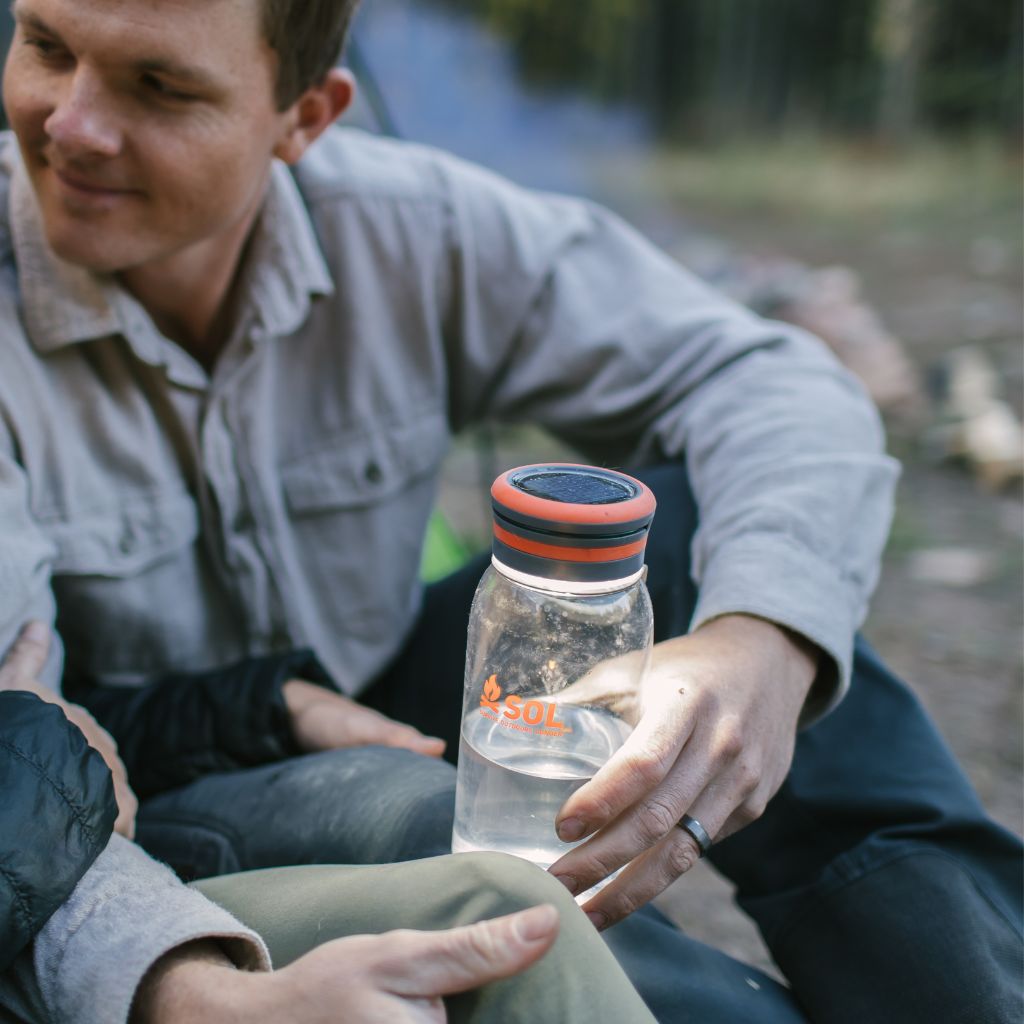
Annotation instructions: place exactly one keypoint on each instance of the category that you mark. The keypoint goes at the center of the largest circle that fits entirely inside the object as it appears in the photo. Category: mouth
(85, 187)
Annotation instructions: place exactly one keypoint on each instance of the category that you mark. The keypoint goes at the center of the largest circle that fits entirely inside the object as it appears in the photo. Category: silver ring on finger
(697, 832)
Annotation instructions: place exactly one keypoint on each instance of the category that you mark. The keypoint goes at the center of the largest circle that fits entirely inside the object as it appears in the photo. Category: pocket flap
(362, 468)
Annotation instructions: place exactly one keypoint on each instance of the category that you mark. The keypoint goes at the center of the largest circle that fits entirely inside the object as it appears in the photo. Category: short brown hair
(308, 37)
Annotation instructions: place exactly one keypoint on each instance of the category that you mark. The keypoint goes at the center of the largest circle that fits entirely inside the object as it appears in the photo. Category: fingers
(27, 657)
(368, 727)
(648, 876)
(747, 813)
(397, 734)
(324, 720)
(657, 868)
(427, 964)
(724, 807)
(723, 792)
(637, 829)
(127, 806)
(106, 746)
(637, 768)
(611, 684)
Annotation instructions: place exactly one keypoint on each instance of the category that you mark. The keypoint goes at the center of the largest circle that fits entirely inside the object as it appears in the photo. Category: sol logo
(536, 716)
(492, 691)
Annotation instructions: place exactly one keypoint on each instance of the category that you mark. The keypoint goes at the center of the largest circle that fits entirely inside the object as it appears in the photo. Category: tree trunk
(900, 38)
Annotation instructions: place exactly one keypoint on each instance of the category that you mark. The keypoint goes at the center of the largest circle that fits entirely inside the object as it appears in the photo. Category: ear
(314, 112)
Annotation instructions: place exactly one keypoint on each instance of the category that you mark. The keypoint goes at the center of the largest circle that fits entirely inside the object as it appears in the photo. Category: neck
(190, 294)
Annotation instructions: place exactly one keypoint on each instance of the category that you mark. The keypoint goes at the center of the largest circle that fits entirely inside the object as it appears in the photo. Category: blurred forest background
(708, 69)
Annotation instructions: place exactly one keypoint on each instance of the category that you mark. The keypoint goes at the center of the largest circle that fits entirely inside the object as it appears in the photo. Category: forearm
(786, 458)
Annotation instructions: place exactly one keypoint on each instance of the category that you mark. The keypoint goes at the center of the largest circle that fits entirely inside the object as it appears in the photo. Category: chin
(90, 250)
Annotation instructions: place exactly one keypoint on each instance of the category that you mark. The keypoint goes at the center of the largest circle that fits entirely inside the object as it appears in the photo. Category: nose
(83, 122)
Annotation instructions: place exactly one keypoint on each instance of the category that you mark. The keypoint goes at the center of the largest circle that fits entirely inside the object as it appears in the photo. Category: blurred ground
(941, 264)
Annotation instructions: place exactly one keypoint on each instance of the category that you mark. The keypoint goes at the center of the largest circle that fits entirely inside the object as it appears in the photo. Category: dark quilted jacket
(57, 811)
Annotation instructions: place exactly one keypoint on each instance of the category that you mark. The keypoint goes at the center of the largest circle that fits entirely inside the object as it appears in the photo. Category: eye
(47, 49)
(158, 87)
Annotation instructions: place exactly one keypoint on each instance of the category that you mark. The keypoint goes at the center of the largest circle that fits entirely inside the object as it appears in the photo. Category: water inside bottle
(512, 784)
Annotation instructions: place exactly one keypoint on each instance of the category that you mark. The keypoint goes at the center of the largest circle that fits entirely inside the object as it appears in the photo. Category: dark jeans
(880, 886)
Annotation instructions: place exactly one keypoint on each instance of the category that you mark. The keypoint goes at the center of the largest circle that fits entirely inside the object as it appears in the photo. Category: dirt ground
(949, 624)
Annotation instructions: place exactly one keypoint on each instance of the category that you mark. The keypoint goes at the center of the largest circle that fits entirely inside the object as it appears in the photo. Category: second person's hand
(398, 977)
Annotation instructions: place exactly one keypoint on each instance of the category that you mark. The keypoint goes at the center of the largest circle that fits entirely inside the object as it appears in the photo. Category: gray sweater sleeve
(567, 317)
(126, 912)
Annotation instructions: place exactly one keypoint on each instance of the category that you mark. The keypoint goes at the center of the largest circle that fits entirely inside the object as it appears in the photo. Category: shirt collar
(64, 304)
(285, 265)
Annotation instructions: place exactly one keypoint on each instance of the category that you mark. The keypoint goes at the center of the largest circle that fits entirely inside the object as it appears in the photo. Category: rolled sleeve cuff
(788, 585)
(127, 912)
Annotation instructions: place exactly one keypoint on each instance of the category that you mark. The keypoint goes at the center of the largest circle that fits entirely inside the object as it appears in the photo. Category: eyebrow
(31, 20)
(152, 65)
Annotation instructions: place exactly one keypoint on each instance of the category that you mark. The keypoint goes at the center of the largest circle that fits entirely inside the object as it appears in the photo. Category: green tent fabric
(443, 550)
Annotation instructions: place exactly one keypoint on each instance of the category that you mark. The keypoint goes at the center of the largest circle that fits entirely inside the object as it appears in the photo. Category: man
(228, 386)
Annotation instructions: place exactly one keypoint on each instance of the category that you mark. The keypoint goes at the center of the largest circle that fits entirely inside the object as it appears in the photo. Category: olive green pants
(297, 908)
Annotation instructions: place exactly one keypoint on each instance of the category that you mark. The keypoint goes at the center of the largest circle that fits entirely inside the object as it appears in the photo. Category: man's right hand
(397, 978)
(20, 670)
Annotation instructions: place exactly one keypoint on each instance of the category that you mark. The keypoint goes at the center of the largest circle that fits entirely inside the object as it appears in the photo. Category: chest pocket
(364, 468)
(132, 589)
(358, 510)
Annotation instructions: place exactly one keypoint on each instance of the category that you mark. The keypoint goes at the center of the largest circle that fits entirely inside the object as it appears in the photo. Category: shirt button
(373, 473)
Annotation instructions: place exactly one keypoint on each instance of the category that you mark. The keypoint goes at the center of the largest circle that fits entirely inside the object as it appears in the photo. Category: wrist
(197, 982)
(301, 700)
(298, 695)
(799, 656)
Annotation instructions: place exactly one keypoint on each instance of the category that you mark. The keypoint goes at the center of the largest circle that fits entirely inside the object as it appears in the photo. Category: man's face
(146, 126)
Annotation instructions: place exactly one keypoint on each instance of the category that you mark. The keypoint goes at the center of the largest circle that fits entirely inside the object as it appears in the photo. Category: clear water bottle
(559, 639)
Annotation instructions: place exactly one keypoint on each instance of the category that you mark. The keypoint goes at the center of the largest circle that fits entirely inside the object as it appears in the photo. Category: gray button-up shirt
(173, 519)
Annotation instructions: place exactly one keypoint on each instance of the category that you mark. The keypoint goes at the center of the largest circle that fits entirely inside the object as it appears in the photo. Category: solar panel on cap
(575, 488)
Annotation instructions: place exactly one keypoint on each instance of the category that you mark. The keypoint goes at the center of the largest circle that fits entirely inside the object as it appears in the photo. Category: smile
(85, 189)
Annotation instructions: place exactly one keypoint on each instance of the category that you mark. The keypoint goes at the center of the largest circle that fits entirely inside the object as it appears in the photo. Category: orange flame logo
(492, 691)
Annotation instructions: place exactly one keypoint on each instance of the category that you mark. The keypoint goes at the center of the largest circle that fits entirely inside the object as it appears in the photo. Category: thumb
(27, 656)
(442, 963)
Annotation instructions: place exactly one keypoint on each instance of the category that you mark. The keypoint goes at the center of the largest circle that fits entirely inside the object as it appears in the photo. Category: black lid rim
(563, 529)
(570, 540)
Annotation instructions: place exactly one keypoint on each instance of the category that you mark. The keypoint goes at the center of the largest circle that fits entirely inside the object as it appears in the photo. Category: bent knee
(515, 883)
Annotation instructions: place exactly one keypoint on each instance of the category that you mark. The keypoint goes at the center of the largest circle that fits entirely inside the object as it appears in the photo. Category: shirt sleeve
(126, 912)
(561, 314)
